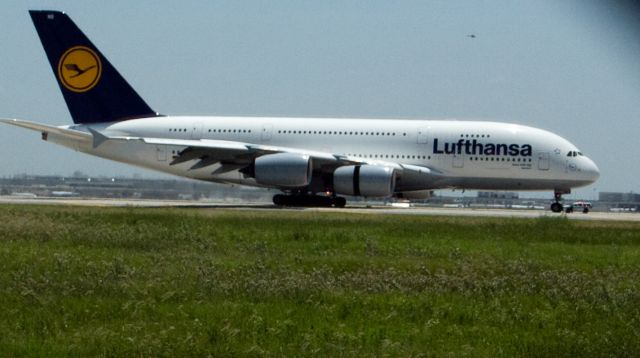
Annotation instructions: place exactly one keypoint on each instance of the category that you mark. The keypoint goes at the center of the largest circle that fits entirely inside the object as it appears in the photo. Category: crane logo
(79, 69)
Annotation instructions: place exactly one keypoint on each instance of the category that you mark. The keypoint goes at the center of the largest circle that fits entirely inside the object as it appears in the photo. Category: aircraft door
(543, 161)
(161, 153)
(266, 132)
(196, 131)
(422, 135)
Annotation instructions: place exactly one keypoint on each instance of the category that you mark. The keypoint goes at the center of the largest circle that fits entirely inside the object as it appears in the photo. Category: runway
(350, 209)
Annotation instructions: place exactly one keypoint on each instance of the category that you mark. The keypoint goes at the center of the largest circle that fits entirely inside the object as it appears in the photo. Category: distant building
(620, 201)
(137, 188)
(630, 197)
(510, 195)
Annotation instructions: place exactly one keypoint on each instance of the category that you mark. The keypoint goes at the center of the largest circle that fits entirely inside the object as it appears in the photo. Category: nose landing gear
(556, 206)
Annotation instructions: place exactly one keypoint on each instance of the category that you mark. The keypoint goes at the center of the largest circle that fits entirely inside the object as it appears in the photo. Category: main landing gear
(298, 200)
(556, 207)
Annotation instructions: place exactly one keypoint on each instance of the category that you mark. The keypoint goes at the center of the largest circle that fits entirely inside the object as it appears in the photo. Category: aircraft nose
(590, 170)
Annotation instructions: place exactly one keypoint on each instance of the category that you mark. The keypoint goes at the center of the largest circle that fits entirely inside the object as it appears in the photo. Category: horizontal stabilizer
(43, 128)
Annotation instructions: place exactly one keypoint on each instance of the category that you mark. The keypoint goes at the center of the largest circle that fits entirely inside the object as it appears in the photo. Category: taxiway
(357, 209)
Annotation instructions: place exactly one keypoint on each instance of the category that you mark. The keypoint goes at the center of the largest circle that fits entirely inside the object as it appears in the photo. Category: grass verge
(164, 282)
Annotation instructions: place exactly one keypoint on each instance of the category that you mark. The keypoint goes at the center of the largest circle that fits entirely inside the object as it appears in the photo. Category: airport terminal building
(617, 201)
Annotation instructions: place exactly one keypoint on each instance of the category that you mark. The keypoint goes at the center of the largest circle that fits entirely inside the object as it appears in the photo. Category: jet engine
(285, 170)
(364, 180)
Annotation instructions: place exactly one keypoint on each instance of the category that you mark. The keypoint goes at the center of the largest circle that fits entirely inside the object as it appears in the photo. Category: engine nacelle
(364, 180)
(284, 170)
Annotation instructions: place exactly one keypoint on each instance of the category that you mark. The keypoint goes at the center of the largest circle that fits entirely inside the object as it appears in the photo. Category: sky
(570, 67)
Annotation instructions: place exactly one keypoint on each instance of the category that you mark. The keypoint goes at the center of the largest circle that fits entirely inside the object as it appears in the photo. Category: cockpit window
(573, 153)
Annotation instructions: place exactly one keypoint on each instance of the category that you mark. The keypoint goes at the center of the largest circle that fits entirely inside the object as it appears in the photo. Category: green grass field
(78, 281)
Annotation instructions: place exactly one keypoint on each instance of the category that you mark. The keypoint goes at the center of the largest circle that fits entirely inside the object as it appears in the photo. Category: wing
(207, 152)
(233, 155)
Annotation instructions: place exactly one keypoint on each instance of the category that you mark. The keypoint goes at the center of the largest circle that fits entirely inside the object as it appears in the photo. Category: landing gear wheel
(279, 199)
(317, 201)
(339, 202)
(556, 207)
(305, 200)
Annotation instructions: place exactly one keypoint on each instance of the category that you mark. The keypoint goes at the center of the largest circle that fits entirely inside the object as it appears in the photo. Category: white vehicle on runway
(582, 206)
(311, 160)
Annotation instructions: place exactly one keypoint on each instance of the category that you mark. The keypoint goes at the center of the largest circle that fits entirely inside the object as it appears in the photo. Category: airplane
(312, 161)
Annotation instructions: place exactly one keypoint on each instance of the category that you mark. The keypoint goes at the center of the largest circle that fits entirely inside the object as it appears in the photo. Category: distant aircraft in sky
(313, 161)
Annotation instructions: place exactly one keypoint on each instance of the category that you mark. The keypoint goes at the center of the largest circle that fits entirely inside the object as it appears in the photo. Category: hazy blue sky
(571, 67)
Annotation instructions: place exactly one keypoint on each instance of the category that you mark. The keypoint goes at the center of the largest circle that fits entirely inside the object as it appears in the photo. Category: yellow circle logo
(79, 69)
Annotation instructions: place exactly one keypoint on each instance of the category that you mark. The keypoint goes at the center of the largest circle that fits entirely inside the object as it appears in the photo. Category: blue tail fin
(93, 89)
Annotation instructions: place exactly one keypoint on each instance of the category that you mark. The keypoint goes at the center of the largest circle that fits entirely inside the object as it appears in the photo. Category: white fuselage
(466, 154)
